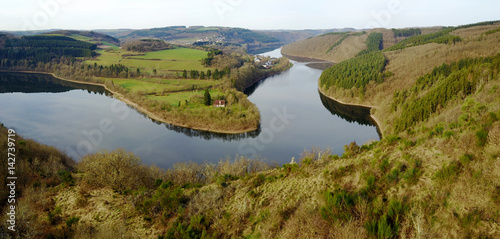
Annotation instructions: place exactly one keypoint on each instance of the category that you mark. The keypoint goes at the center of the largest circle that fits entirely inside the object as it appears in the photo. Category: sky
(252, 14)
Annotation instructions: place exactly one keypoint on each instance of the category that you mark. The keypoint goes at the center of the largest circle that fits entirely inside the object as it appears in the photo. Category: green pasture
(177, 54)
(174, 98)
(160, 86)
(178, 59)
(82, 38)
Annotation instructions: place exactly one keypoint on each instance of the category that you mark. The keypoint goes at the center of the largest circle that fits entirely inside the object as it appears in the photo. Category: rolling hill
(99, 39)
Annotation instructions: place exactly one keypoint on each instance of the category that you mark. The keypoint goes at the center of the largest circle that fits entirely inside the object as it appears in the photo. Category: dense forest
(406, 32)
(30, 50)
(355, 72)
(146, 45)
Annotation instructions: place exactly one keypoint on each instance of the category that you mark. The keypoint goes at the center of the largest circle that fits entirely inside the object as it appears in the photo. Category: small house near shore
(219, 103)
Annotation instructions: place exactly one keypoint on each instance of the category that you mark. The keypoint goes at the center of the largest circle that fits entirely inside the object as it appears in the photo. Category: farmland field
(174, 98)
(178, 59)
(152, 86)
(178, 54)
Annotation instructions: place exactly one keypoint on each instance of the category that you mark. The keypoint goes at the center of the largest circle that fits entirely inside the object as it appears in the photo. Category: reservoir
(80, 119)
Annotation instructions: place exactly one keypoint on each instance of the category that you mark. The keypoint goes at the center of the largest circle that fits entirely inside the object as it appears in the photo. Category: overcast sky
(253, 14)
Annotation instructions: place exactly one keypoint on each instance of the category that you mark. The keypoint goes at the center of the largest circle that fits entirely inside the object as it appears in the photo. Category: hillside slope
(99, 39)
(337, 47)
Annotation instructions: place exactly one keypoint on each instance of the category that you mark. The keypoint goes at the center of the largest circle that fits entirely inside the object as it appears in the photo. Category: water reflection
(14, 82)
(206, 135)
(349, 113)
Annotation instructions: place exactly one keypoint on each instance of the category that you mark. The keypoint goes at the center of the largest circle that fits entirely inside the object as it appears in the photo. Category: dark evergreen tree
(206, 98)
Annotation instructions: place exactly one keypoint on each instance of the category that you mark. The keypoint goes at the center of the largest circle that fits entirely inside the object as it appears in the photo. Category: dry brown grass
(315, 47)
(410, 63)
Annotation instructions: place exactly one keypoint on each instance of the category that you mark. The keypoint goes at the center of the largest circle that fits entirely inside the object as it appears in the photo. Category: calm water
(80, 119)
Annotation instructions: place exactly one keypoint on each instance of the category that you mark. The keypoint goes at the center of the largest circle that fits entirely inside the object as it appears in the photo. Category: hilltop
(90, 36)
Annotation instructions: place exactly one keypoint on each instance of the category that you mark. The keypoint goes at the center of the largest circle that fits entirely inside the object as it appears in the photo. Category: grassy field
(159, 86)
(178, 54)
(174, 98)
(81, 38)
(178, 59)
(91, 40)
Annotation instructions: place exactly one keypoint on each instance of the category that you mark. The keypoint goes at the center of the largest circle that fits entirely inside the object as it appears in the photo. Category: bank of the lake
(143, 109)
(377, 122)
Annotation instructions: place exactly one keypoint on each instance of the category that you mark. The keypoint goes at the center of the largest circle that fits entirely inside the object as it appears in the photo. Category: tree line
(406, 32)
(216, 74)
(29, 50)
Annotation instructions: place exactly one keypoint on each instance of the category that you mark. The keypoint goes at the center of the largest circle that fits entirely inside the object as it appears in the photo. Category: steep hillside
(337, 47)
(334, 47)
(290, 36)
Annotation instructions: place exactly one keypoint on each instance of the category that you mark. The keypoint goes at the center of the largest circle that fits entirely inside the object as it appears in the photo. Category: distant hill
(337, 46)
(147, 45)
(88, 36)
(199, 35)
(29, 33)
(290, 36)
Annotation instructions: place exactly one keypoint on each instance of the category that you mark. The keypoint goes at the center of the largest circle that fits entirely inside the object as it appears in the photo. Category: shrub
(384, 165)
(448, 134)
(482, 137)
(393, 176)
(339, 205)
(391, 139)
(259, 180)
(290, 167)
(72, 220)
(411, 175)
(387, 225)
(55, 216)
(306, 161)
(66, 177)
(448, 171)
(466, 159)
(225, 179)
(351, 150)
(117, 170)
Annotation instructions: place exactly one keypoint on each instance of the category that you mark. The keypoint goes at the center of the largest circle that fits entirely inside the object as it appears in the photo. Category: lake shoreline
(377, 122)
(141, 109)
(267, 76)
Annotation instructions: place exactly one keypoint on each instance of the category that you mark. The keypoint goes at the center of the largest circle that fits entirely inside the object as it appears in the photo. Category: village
(265, 62)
